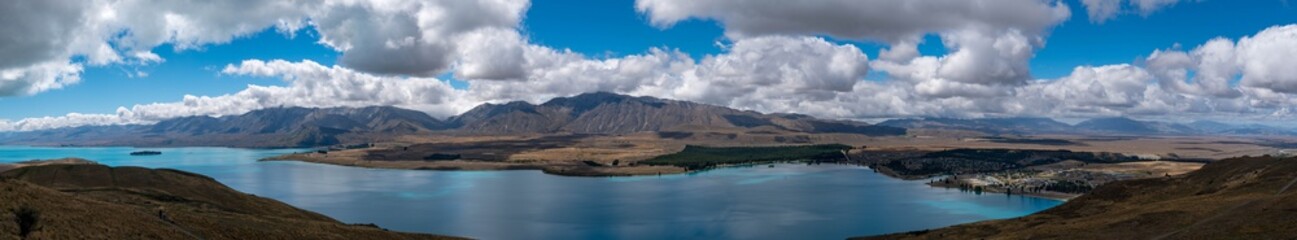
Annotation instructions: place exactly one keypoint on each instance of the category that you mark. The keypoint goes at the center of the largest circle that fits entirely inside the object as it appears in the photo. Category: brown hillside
(101, 202)
(1241, 198)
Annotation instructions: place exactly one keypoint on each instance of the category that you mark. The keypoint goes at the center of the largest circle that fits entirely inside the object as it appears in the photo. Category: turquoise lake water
(788, 201)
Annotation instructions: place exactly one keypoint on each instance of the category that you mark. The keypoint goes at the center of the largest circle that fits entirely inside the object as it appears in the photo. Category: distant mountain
(308, 120)
(1231, 129)
(1240, 198)
(591, 113)
(607, 113)
(1114, 125)
(1211, 126)
(986, 125)
(272, 127)
(1258, 130)
(1120, 125)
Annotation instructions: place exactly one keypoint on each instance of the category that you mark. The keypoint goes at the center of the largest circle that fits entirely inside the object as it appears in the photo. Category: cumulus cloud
(1248, 78)
(778, 58)
(772, 73)
(309, 84)
(409, 37)
(768, 73)
(990, 42)
(38, 77)
(1266, 59)
(890, 21)
(1103, 10)
(1212, 69)
(403, 37)
(980, 62)
(112, 32)
(1103, 90)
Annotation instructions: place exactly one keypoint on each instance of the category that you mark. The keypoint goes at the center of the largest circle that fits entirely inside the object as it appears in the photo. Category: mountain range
(591, 113)
(607, 113)
(1097, 126)
(985, 125)
(598, 113)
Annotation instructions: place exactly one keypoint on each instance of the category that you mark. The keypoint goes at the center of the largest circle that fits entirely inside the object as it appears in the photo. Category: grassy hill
(101, 202)
(1241, 198)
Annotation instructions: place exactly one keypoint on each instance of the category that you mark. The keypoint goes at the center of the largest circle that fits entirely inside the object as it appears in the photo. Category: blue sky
(614, 28)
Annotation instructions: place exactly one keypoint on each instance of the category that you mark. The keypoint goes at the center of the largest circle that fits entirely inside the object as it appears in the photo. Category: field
(699, 157)
(650, 153)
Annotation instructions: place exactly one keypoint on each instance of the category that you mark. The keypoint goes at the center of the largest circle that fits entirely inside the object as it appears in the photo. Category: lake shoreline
(701, 193)
(552, 168)
(587, 171)
(1046, 195)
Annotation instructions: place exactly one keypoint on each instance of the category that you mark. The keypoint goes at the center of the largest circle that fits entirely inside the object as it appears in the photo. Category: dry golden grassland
(574, 154)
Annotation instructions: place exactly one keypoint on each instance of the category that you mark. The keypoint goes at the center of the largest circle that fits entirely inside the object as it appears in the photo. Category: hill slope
(101, 202)
(1242, 198)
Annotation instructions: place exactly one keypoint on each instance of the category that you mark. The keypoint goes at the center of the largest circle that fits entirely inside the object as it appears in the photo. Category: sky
(104, 62)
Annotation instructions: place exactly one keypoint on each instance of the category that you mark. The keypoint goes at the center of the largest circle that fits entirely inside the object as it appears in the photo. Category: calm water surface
(788, 201)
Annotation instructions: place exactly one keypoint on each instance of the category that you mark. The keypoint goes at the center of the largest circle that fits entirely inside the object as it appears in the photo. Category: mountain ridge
(590, 113)
(608, 113)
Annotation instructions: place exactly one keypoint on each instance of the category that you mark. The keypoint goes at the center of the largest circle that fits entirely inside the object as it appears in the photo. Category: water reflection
(789, 201)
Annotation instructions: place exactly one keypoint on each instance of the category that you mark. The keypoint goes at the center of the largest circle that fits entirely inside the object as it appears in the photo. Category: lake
(787, 201)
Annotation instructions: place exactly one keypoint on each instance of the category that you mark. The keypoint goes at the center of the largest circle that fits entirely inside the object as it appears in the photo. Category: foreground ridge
(100, 202)
(1239, 198)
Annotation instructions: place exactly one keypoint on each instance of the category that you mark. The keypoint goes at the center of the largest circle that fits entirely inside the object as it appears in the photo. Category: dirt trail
(1285, 188)
(162, 215)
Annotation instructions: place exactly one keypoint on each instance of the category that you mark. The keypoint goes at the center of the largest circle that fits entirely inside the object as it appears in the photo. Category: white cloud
(1212, 65)
(1149, 6)
(1267, 59)
(109, 32)
(401, 37)
(990, 42)
(309, 85)
(409, 37)
(891, 21)
(773, 73)
(1222, 68)
(767, 73)
(777, 60)
(492, 54)
(1107, 90)
(1103, 10)
(38, 77)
